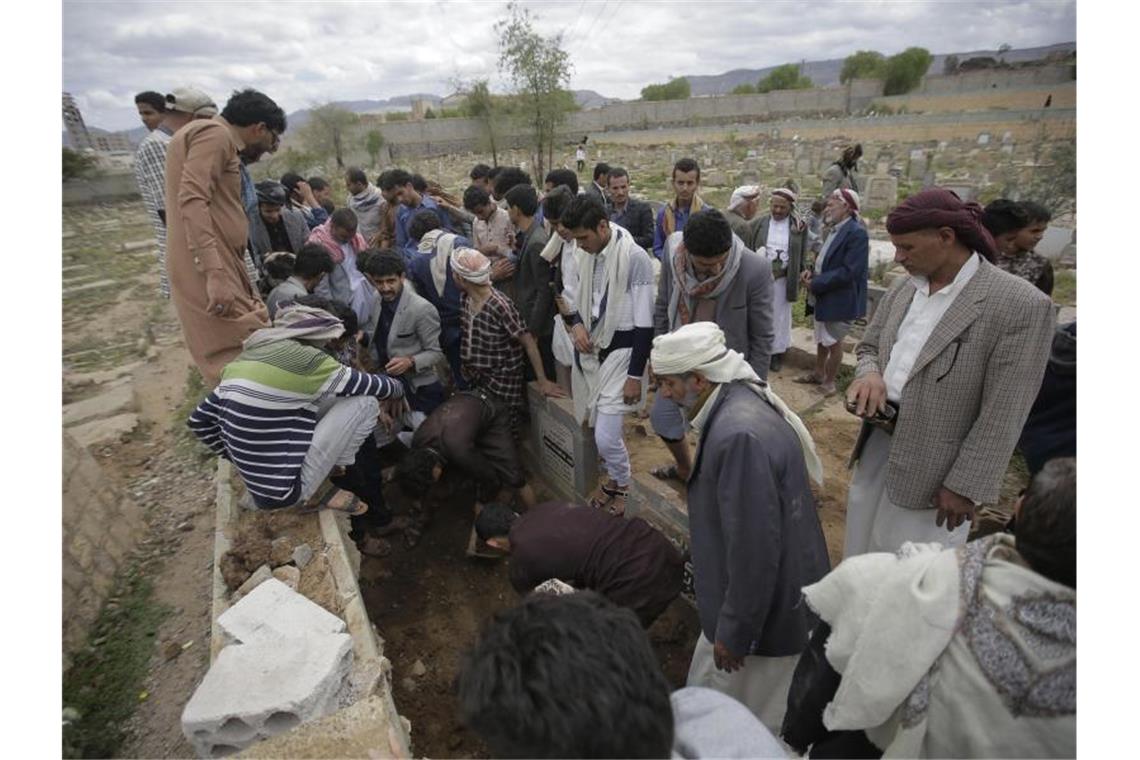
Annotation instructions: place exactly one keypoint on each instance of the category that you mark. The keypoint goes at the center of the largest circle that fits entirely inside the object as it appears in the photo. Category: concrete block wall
(1064, 95)
(100, 528)
(108, 187)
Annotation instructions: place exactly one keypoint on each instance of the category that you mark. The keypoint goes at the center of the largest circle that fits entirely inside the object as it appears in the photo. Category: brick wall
(100, 528)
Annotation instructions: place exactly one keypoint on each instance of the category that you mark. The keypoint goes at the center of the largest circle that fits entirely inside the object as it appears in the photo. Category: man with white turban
(494, 336)
(755, 536)
(742, 208)
(782, 239)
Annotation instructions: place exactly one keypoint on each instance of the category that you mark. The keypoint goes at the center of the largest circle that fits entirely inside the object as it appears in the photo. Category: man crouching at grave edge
(468, 438)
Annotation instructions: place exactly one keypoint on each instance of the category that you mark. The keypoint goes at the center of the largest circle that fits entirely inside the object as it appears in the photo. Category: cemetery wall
(100, 528)
(108, 187)
(989, 79)
(1063, 95)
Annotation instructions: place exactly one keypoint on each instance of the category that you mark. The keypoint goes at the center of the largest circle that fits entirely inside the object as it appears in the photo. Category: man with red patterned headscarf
(947, 371)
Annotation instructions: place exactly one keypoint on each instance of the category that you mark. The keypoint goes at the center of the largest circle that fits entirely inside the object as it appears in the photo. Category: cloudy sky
(304, 53)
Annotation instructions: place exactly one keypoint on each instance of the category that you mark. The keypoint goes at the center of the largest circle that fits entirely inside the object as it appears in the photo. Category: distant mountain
(826, 73)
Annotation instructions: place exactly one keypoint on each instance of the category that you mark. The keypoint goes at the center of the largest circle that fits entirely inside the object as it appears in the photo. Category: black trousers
(364, 479)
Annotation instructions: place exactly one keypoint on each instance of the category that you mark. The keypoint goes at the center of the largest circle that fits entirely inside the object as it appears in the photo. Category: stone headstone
(928, 179)
(1007, 149)
(882, 167)
(984, 138)
(1055, 241)
(803, 166)
(963, 191)
(882, 193)
(918, 154)
(1007, 138)
(748, 177)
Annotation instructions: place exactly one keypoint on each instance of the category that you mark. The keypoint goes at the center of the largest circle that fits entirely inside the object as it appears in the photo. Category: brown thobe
(207, 230)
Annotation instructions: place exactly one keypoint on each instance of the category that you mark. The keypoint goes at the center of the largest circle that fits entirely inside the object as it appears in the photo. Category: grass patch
(799, 319)
(103, 685)
(185, 442)
(1065, 287)
(843, 378)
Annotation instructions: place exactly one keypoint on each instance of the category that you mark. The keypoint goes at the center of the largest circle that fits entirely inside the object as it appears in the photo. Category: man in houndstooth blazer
(960, 346)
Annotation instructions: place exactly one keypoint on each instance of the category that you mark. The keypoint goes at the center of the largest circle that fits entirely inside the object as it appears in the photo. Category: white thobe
(779, 233)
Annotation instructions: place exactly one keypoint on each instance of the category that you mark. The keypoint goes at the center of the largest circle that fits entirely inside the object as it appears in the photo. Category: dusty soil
(429, 603)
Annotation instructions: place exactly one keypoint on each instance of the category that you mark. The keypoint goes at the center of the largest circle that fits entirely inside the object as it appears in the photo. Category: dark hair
(474, 197)
(424, 221)
(1036, 212)
(1003, 215)
(248, 107)
(494, 173)
(479, 171)
(380, 262)
(338, 309)
(686, 165)
(356, 175)
(601, 169)
(290, 180)
(312, 259)
(394, 178)
(508, 178)
(384, 180)
(328, 206)
(152, 99)
(419, 184)
(414, 472)
(566, 676)
(556, 202)
(524, 198)
(584, 213)
(344, 218)
(617, 171)
(1046, 526)
(567, 177)
(282, 266)
(318, 183)
(494, 521)
(707, 233)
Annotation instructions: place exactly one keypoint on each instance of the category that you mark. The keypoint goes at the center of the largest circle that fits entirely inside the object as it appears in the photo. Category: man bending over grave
(627, 561)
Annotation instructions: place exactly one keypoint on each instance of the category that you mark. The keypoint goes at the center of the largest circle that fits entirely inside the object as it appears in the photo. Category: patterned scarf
(686, 282)
(669, 222)
(296, 322)
(323, 236)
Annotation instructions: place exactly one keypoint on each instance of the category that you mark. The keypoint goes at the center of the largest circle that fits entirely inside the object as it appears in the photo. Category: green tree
(373, 143)
(430, 114)
(950, 65)
(77, 164)
(862, 64)
(539, 70)
(786, 77)
(744, 89)
(327, 130)
(480, 104)
(674, 89)
(905, 70)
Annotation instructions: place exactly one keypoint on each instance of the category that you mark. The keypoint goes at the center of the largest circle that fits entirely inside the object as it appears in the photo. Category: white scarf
(446, 241)
(699, 347)
(616, 272)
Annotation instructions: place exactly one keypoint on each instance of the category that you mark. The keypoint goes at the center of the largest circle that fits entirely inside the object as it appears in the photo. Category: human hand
(219, 293)
(953, 509)
(551, 389)
(581, 338)
(502, 269)
(631, 391)
(724, 659)
(305, 194)
(398, 365)
(805, 278)
(869, 395)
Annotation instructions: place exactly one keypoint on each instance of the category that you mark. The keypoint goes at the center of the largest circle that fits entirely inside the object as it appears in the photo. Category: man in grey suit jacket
(721, 281)
(404, 334)
(958, 348)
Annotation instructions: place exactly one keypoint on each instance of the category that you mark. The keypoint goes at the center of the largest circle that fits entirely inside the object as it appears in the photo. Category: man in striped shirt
(285, 413)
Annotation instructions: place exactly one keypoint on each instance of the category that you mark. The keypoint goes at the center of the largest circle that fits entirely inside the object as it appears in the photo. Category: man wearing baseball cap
(182, 106)
(742, 207)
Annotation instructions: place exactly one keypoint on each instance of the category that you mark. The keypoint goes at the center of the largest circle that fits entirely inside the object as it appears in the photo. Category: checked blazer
(969, 393)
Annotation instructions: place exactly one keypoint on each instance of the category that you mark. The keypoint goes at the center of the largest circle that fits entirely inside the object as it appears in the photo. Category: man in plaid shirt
(494, 337)
(179, 108)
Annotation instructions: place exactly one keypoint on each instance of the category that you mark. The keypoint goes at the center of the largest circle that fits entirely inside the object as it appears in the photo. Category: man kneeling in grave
(469, 437)
(627, 561)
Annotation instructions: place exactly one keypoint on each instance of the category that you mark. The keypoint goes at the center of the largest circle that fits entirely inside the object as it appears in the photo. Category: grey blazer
(797, 244)
(744, 311)
(970, 390)
(414, 333)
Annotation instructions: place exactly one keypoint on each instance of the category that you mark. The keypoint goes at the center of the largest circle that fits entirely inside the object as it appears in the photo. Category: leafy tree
(950, 65)
(744, 89)
(674, 89)
(488, 109)
(786, 77)
(373, 143)
(327, 129)
(863, 64)
(430, 114)
(77, 164)
(539, 71)
(905, 70)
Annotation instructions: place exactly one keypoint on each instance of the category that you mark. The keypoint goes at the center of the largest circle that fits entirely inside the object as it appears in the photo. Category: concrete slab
(264, 688)
(106, 430)
(365, 730)
(273, 611)
(75, 380)
(115, 401)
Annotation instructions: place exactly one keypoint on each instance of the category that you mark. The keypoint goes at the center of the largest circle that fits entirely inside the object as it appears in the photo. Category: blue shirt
(681, 215)
(248, 192)
(404, 216)
(448, 304)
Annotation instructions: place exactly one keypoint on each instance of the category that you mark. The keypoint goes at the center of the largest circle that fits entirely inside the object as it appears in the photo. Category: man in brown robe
(207, 229)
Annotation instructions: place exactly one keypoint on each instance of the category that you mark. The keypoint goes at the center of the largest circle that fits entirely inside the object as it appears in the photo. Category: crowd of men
(412, 319)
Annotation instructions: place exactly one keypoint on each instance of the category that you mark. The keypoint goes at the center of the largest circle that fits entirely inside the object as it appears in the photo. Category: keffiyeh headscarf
(296, 321)
(787, 194)
(471, 265)
(699, 347)
(938, 207)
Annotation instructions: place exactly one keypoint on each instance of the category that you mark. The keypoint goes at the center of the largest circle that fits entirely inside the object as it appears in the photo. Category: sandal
(610, 498)
(341, 501)
(806, 379)
(324, 492)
